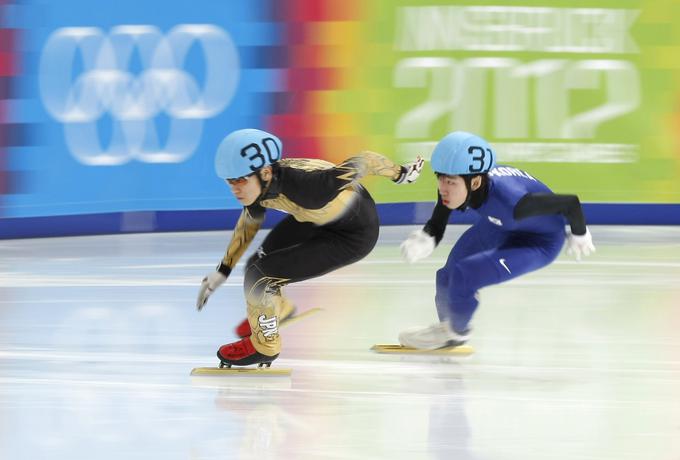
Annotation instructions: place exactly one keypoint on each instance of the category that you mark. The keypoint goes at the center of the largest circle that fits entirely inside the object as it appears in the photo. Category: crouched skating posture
(332, 223)
(519, 228)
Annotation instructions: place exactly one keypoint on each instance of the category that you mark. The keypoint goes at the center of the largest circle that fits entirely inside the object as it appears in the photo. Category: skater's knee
(459, 282)
(253, 276)
(258, 282)
(251, 260)
(442, 276)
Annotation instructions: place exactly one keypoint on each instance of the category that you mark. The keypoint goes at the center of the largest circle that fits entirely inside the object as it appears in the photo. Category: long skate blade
(255, 371)
(249, 371)
(295, 318)
(461, 350)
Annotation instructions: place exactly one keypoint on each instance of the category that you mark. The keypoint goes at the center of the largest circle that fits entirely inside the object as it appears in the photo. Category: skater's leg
(286, 312)
(459, 281)
(516, 257)
(469, 243)
(266, 276)
(286, 234)
(326, 249)
(441, 297)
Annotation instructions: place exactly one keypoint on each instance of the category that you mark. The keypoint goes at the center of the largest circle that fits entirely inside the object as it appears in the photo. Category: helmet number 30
(478, 158)
(254, 153)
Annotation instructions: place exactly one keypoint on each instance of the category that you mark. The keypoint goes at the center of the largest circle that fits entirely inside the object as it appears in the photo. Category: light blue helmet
(461, 153)
(245, 151)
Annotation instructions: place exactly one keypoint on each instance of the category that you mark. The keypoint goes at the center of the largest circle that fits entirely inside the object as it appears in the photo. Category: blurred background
(110, 112)
(110, 115)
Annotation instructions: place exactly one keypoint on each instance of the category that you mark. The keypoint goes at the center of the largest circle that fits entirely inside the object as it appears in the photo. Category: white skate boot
(433, 337)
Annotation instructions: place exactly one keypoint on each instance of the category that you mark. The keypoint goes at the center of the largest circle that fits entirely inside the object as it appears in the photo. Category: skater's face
(247, 189)
(453, 189)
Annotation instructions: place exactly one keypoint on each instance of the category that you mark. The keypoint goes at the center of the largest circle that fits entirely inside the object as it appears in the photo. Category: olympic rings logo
(87, 78)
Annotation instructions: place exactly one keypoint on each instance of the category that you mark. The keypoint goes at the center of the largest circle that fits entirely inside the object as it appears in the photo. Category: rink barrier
(205, 220)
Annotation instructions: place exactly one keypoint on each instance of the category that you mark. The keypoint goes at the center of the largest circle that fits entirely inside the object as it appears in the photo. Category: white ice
(98, 336)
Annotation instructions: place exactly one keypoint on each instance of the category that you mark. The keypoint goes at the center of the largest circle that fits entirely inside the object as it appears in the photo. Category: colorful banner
(120, 107)
(125, 103)
(585, 97)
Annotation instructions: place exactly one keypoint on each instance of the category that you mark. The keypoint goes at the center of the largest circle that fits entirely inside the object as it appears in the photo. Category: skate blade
(460, 350)
(295, 318)
(242, 371)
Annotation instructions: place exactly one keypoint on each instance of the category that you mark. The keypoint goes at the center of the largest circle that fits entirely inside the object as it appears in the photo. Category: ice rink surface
(98, 336)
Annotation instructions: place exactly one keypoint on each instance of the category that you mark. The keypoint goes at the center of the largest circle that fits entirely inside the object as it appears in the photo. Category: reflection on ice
(98, 336)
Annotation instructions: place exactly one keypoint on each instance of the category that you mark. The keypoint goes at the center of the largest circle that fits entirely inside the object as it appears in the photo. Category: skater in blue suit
(520, 228)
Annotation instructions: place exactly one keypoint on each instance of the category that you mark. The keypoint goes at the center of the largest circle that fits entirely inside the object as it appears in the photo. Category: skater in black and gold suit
(332, 223)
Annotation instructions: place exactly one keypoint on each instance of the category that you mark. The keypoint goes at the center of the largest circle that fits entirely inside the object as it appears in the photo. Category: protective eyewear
(239, 180)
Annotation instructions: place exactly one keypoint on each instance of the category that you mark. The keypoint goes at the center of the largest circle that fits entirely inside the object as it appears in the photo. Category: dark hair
(466, 177)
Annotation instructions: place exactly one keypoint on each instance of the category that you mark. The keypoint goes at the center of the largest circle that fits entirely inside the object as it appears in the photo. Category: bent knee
(253, 274)
(442, 276)
(459, 282)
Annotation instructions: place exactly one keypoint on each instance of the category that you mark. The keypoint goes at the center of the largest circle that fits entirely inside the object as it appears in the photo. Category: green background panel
(652, 128)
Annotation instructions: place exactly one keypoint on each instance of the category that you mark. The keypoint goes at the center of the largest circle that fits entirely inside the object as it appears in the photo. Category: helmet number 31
(478, 158)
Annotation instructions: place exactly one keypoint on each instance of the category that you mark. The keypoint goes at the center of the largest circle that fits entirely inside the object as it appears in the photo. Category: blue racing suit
(520, 228)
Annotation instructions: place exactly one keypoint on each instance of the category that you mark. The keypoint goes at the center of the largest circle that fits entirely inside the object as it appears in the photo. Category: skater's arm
(539, 204)
(313, 189)
(248, 224)
(421, 243)
(436, 226)
(369, 163)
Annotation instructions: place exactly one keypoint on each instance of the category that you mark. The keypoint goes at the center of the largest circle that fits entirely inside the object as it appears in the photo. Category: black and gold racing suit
(332, 223)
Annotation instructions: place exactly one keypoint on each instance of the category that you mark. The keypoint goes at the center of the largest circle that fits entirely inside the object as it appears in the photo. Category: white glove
(580, 244)
(410, 171)
(208, 286)
(417, 246)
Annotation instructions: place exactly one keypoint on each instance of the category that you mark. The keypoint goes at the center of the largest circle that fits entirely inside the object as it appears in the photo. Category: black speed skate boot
(243, 353)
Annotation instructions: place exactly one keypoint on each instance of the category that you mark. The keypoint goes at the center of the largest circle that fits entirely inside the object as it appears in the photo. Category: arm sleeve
(315, 188)
(365, 164)
(249, 222)
(539, 204)
(437, 224)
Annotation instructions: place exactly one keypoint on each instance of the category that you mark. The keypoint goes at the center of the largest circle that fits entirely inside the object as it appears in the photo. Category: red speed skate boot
(243, 353)
(243, 329)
